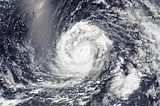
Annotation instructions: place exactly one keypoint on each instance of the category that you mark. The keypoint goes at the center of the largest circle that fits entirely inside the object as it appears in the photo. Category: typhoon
(82, 50)
(79, 53)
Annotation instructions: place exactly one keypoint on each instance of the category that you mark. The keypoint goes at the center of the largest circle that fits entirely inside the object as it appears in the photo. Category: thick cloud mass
(81, 50)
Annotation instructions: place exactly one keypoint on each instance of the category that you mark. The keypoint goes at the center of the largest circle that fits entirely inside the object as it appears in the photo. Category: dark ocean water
(29, 34)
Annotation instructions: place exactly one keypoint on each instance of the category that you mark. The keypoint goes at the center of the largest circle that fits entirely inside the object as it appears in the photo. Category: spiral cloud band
(81, 50)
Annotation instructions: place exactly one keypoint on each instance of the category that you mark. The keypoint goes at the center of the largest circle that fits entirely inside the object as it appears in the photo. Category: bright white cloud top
(81, 50)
